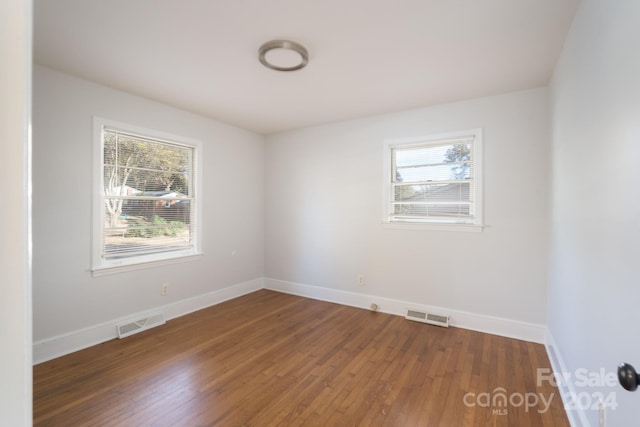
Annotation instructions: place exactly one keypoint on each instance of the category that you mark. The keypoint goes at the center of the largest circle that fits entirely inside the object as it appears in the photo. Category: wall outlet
(164, 290)
(361, 280)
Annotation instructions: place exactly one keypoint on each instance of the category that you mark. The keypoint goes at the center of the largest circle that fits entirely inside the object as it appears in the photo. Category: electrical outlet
(164, 291)
(361, 280)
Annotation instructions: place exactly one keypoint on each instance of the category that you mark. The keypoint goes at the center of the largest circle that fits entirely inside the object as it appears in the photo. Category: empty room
(320, 213)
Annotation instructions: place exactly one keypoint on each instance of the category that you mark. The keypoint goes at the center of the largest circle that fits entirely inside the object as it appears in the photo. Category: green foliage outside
(461, 154)
(144, 165)
(157, 227)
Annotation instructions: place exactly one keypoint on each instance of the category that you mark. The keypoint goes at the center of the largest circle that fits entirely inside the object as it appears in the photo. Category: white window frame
(426, 224)
(100, 266)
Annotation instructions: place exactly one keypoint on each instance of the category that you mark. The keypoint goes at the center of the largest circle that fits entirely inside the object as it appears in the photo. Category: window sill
(406, 225)
(113, 269)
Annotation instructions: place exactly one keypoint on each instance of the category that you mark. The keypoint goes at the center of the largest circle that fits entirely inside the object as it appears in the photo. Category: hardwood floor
(272, 359)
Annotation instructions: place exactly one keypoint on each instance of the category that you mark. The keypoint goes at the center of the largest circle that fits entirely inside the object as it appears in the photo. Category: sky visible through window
(435, 163)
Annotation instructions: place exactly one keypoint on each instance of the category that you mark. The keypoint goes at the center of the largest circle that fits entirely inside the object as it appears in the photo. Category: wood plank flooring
(272, 359)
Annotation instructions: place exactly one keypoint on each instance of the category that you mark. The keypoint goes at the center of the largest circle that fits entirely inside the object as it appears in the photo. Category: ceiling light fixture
(283, 55)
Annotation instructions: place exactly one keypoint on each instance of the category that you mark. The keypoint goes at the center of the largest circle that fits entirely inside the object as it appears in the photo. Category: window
(146, 201)
(435, 182)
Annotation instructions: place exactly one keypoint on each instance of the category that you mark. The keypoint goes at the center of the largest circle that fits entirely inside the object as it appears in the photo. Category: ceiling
(365, 56)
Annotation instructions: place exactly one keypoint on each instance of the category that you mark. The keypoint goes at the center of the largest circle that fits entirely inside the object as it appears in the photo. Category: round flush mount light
(283, 55)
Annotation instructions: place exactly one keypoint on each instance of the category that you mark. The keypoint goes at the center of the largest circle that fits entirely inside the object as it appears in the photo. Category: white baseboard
(577, 418)
(461, 319)
(61, 345)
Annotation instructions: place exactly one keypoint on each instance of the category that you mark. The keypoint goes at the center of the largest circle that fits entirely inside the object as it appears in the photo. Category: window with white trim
(435, 181)
(146, 201)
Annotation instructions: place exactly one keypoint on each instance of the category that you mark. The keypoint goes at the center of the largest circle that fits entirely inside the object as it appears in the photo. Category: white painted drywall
(594, 286)
(66, 296)
(324, 211)
(15, 276)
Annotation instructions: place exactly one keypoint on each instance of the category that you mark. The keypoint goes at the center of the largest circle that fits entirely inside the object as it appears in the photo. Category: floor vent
(433, 319)
(133, 327)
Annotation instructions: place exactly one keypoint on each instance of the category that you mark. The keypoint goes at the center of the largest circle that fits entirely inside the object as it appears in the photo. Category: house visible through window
(146, 204)
(434, 180)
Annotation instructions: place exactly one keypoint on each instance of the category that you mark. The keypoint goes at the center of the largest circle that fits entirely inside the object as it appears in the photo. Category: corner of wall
(566, 389)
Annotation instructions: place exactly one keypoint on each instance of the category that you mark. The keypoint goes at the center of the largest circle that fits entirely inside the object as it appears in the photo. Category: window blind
(148, 195)
(433, 181)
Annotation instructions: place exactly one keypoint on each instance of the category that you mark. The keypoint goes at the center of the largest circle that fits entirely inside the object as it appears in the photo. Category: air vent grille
(133, 327)
(430, 318)
(416, 315)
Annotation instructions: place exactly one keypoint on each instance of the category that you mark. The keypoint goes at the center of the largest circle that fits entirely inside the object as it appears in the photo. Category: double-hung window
(146, 197)
(435, 182)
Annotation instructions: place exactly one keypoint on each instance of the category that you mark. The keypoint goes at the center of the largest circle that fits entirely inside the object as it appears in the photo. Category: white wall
(595, 231)
(324, 211)
(15, 278)
(66, 296)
